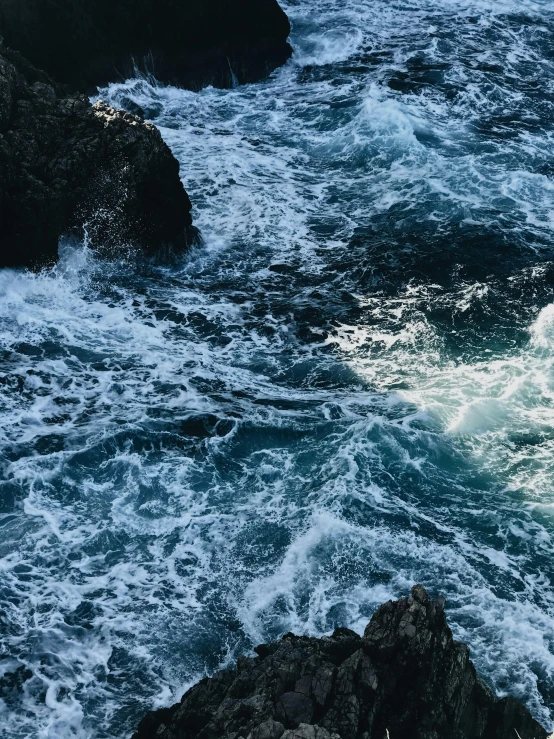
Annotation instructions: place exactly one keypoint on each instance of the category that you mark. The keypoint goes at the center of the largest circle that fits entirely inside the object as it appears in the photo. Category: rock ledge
(192, 43)
(69, 168)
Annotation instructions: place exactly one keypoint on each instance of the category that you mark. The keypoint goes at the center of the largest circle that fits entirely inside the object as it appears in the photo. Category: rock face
(67, 167)
(406, 676)
(191, 43)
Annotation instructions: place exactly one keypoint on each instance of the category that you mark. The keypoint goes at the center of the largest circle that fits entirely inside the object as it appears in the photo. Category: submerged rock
(405, 676)
(191, 43)
(67, 167)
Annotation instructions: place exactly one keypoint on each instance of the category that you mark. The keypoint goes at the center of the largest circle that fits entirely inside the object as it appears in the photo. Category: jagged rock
(405, 676)
(294, 708)
(191, 43)
(67, 167)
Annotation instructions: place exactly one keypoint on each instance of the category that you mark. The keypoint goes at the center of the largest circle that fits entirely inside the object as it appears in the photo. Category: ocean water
(347, 389)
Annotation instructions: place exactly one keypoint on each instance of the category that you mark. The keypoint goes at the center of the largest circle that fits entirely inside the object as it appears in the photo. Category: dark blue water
(348, 389)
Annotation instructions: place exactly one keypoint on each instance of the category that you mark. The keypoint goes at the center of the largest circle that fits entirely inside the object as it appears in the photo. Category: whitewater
(346, 389)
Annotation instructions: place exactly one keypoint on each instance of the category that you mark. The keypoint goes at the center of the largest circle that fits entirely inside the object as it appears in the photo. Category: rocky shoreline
(405, 678)
(85, 43)
(92, 172)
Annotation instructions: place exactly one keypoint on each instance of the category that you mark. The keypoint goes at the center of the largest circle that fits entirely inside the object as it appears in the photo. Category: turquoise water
(347, 389)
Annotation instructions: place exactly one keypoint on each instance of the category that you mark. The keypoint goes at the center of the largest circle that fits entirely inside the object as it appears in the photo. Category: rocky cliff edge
(405, 678)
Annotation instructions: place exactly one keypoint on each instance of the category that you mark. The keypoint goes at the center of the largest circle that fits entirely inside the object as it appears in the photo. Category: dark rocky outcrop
(406, 676)
(191, 43)
(67, 166)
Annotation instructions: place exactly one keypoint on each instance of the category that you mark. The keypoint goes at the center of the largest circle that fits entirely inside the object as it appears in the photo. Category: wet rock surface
(406, 676)
(192, 43)
(67, 167)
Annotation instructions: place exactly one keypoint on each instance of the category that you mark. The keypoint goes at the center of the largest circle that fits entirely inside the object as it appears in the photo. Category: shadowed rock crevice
(406, 676)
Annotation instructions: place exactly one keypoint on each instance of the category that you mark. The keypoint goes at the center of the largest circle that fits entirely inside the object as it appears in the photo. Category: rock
(406, 676)
(192, 43)
(67, 167)
(309, 731)
(267, 730)
(294, 709)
